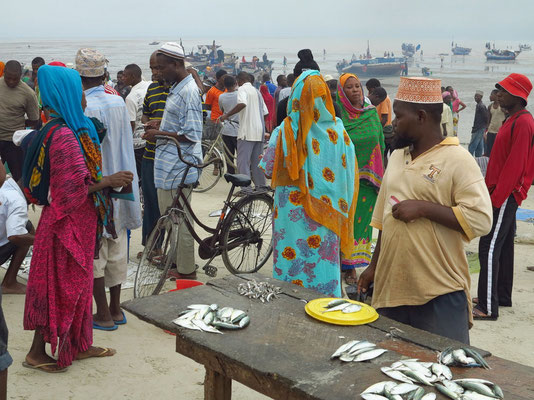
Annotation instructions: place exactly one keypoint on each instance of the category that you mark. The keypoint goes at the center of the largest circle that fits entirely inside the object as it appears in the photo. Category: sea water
(465, 73)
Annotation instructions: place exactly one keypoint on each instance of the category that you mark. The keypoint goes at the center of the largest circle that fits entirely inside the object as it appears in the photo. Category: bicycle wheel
(210, 175)
(157, 258)
(247, 234)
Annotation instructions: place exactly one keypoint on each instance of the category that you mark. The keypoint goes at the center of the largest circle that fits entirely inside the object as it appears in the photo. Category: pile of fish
(470, 389)
(412, 372)
(357, 351)
(396, 391)
(342, 305)
(207, 318)
(462, 357)
(263, 291)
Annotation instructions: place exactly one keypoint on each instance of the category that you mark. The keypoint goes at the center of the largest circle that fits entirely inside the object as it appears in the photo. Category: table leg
(217, 386)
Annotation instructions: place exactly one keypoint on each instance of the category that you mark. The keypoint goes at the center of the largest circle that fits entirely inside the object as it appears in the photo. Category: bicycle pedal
(210, 270)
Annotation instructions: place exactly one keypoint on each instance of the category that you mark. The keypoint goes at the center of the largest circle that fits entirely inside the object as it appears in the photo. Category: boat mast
(368, 51)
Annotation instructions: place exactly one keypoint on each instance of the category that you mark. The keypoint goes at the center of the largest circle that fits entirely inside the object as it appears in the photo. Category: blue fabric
(61, 90)
(150, 195)
(183, 116)
(306, 252)
(272, 87)
(5, 357)
(476, 146)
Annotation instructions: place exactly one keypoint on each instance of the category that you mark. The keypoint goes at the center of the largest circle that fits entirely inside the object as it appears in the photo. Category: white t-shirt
(446, 118)
(13, 211)
(134, 104)
(251, 125)
(285, 92)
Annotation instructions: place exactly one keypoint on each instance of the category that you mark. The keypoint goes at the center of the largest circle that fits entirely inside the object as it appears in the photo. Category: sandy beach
(146, 365)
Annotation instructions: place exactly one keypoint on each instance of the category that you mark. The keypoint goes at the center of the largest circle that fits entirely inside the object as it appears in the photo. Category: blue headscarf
(61, 90)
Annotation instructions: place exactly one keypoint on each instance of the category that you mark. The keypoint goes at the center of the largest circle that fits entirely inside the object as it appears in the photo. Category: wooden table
(285, 354)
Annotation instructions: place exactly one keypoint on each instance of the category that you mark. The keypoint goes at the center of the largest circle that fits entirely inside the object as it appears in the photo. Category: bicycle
(213, 150)
(242, 237)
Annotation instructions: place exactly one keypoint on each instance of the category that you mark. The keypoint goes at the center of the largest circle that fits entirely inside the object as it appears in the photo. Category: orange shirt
(212, 99)
(385, 108)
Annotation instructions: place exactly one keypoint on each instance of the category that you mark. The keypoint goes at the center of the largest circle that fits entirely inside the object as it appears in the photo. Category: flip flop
(122, 321)
(480, 316)
(104, 328)
(474, 300)
(42, 367)
(106, 352)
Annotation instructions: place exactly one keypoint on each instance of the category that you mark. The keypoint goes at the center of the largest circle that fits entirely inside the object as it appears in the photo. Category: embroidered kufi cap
(419, 90)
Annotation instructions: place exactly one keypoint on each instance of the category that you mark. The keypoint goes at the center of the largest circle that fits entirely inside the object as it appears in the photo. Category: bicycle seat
(237, 179)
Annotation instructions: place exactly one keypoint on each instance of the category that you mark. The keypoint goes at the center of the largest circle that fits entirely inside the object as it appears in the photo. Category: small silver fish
(429, 396)
(243, 323)
(206, 328)
(344, 348)
(351, 309)
(417, 367)
(378, 388)
(419, 394)
(236, 316)
(209, 318)
(337, 308)
(372, 396)
(397, 375)
(419, 377)
(369, 355)
(453, 386)
(447, 392)
(478, 388)
(361, 345)
(225, 325)
(460, 356)
(336, 302)
(404, 388)
(442, 370)
(197, 306)
(470, 395)
(345, 357)
(185, 323)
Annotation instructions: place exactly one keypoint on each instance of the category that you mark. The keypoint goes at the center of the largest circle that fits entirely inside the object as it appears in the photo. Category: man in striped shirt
(182, 120)
(153, 108)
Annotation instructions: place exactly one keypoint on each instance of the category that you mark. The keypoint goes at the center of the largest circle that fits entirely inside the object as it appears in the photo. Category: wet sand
(146, 365)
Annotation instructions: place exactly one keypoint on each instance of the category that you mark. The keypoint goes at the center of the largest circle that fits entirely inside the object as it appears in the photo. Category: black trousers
(490, 140)
(12, 155)
(139, 153)
(496, 256)
(231, 143)
(446, 315)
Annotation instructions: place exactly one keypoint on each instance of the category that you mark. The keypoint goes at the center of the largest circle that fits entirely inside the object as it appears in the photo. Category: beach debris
(462, 357)
(263, 291)
(357, 351)
(210, 318)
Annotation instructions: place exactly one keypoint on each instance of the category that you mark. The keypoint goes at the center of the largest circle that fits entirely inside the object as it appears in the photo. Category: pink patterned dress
(60, 285)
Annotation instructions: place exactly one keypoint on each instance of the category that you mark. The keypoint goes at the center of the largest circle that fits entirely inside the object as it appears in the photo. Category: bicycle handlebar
(177, 144)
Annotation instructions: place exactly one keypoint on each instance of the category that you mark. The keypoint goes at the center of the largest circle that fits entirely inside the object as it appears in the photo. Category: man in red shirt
(509, 176)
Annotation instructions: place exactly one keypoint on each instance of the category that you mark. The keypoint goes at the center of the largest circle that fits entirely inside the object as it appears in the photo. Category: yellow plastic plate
(316, 307)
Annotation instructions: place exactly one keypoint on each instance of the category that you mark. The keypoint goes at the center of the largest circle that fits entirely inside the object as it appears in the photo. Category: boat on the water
(153, 43)
(502, 55)
(208, 59)
(370, 67)
(460, 51)
(525, 47)
(408, 49)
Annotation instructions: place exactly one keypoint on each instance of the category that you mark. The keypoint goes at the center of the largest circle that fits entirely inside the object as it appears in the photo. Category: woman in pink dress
(63, 171)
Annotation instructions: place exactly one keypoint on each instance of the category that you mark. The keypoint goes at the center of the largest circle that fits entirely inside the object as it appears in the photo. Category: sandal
(474, 300)
(104, 352)
(45, 367)
(481, 316)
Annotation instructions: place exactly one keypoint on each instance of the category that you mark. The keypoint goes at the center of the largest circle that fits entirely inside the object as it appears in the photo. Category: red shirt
(109, 90)
(511, 164)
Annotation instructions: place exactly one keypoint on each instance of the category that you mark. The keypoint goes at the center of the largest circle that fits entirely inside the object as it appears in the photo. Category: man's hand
(150, 135)
(366, 278)
(223, 117)
(152, 124)
(408, 210)
(119, 179)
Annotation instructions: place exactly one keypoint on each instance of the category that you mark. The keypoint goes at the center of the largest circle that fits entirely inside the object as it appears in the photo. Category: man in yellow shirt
(432, 201)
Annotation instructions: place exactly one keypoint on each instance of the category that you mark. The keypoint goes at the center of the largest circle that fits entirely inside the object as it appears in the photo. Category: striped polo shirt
(153, 108)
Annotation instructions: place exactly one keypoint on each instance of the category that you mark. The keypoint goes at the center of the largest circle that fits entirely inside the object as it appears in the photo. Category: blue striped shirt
(182, 115)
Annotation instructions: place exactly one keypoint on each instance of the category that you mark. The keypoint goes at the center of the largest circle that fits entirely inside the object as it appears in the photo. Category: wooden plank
(217, 386)
(284, 353)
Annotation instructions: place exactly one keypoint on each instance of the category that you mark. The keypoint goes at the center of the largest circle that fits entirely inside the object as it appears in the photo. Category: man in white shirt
(227, 101)
(132, 76)
(15, 240)
(252, 110)
(446, 117)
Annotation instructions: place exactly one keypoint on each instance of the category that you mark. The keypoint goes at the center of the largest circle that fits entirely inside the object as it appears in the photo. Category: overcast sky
(461, 19)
